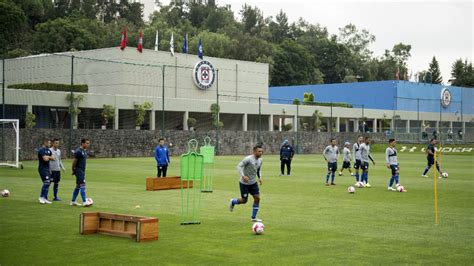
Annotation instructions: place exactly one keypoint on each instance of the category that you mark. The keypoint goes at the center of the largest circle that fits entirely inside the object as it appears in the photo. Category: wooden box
(160, 183)
(137, 227)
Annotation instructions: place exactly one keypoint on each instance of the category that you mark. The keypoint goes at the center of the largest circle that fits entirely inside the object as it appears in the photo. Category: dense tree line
(298, 52)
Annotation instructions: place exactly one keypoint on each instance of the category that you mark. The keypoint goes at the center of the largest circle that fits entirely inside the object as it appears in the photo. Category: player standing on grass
(249, 170)
(330, 154)
(347, 159)
(79, 170)
(365, 156)
(56, 166)
(44, 156)
(286, 155)
(430, 152)
(392, 163)
(357, 158)
(162, 158)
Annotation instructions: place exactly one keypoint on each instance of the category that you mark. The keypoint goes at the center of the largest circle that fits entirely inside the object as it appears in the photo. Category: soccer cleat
(86, 204)
(41, 200)
(327, 184)
(256, 220)
(333, 184)
(73, 203)
(46, 201)
(56, 199)
(424, 175)
(391, 189)
(352, 174)
(368, 185)
(288, 175)
(231, 205)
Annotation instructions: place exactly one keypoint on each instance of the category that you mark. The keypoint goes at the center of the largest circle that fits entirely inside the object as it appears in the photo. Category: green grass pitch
(305, 221)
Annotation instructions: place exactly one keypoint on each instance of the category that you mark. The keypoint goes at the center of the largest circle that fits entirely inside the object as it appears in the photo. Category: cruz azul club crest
(445, 97)
(204, 74)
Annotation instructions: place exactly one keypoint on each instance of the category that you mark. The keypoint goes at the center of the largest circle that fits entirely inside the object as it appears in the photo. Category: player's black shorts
(346, 165)
(430, 161)
(357, 164)
(365, 166)
(245, 190)
(80, 177)
(394, 169)
(55, 176)
(332, 167)
(45, 176)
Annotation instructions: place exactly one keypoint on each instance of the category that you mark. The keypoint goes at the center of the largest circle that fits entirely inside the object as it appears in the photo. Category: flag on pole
(140, 43)
(123, 42)
(156, 41)
(397, 75)
(200, 49)
(172, 45)
(185, 44)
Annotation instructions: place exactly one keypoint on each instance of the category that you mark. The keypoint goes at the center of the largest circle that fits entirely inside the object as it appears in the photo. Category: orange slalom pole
(435, 191)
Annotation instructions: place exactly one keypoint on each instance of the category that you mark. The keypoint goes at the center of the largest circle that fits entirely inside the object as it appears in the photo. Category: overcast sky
(440, 28)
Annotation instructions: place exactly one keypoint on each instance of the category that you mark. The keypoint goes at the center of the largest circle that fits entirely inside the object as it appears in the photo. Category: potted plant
(191, 123)
(140, 110)
(108, 112)
(30, 120)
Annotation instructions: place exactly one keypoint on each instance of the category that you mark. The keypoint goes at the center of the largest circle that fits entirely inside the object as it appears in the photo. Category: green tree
(462, 74)
(12, 21)
(357, 41)
(435, 72)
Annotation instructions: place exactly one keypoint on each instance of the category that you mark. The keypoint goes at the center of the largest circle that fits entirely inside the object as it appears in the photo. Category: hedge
(45, 86)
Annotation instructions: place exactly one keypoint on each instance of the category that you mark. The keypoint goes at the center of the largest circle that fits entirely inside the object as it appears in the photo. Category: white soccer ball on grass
(258, 228)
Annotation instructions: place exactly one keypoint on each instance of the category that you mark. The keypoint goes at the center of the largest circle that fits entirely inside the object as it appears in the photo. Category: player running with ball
(249, 170)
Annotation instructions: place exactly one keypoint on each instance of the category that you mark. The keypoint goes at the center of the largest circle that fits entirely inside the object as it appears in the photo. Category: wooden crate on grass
(161, 183)
(137, 227)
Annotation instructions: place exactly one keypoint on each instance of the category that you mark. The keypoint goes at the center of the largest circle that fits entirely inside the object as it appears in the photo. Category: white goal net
(10, 142)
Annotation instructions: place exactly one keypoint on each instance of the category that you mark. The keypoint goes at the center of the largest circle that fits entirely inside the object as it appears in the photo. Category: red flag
(397, 75)
(140, 43)
(123, 42)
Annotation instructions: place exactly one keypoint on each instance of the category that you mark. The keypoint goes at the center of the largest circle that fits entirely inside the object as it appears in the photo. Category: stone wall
(141, 143)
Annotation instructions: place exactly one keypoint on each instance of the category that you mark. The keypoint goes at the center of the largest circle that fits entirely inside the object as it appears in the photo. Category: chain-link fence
(71, 92)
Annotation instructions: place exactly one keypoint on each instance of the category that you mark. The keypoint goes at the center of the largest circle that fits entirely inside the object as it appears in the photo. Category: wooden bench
(161, 183)
(137, 227)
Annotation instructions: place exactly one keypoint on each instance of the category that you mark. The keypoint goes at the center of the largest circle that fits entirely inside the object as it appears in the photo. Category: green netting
(208, 152)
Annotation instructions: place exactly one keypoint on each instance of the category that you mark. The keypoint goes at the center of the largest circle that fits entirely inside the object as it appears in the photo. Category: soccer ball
(400, 188)
(359, 184)
(5, 193)
(351, 189)
(444, 174)
(258, 228)
(88, 202)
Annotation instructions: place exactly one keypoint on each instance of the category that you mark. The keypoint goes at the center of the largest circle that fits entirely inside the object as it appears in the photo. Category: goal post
(10, 142)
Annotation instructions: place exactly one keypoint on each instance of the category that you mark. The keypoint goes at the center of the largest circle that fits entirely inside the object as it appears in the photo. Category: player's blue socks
(44, 190)
(396, 179)
(357, 176)
(83, 193)
(255, 210)
(55, 190)
(235, 201)
(327, 177)
(426, 170)
(332, 177)
(75, 193)
(365, 177)
(391, 181)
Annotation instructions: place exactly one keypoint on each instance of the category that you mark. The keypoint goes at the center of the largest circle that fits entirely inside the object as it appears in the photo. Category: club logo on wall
(445, 97)
(204, 74)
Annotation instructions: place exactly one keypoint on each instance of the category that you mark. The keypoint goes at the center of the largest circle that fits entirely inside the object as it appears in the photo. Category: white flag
(172, 44)
(156, 41)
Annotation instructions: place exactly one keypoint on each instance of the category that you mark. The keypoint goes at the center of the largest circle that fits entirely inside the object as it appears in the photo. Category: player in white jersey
(346, 164)
(330, 154)
(365, 156)
(392, 163)
(250, 174)
(56, 166)
(356, 157)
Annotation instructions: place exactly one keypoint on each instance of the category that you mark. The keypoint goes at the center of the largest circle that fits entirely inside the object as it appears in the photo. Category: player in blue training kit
(392, 163)
(162, 158)
(357, 158)
(79, 170)
(365, 156)
(330, 154)
(44, 156)
(430, 152)
(249, 170)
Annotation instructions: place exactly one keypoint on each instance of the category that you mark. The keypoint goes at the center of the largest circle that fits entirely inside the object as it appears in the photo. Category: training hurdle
(162, 183)
(137, 227)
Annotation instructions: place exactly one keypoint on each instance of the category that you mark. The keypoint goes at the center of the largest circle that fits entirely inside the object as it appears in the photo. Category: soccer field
(305, 221)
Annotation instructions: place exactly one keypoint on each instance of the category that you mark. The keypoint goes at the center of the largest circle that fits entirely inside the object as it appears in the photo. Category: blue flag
(185, 44)
(200, 49)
